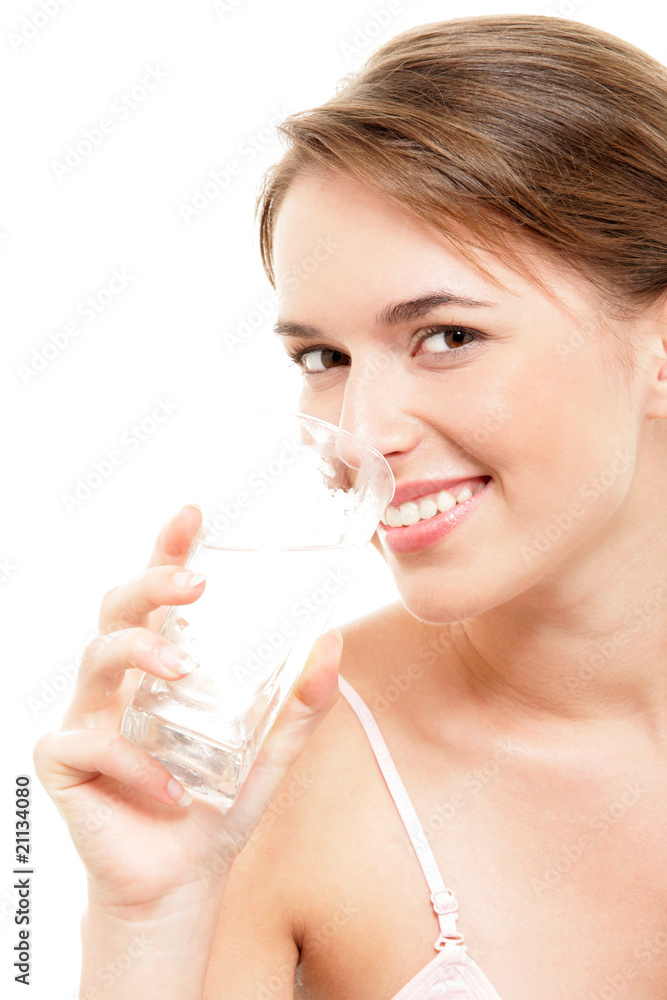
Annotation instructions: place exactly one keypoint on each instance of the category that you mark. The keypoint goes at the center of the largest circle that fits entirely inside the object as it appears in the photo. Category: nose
(376, 406)
(376, 409)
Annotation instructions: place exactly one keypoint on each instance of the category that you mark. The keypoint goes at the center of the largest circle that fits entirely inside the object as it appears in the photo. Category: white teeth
(445, 501)
(409, 512)
(394, 518)
(427, 508)
(413, 511)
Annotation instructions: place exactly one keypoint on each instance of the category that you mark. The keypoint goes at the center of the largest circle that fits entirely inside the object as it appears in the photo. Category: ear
(656, 331)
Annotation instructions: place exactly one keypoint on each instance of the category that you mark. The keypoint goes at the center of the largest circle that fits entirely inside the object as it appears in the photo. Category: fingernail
(186, 579)
(336, 633)
(178, 793)
(175, 660)
(185, 507)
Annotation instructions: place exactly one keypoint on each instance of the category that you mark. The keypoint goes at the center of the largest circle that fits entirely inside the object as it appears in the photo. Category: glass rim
(339, 430)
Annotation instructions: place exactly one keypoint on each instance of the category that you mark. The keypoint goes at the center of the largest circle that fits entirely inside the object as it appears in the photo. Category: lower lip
(414, 537)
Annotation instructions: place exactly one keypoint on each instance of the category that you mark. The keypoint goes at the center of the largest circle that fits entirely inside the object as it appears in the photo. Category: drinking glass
(275, 556)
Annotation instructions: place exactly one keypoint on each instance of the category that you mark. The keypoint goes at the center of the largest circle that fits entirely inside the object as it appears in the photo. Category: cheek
(323, 398)
(561, 434)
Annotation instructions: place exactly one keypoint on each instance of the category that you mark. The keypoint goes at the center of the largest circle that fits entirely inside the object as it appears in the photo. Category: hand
(121, 806)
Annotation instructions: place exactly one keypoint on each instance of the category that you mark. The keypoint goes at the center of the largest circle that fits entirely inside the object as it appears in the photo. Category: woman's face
(525, 389)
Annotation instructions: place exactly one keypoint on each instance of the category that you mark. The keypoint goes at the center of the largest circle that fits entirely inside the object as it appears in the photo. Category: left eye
(434, 341)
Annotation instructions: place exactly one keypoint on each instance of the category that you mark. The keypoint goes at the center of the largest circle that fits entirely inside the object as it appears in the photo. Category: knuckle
(135, 633)
(143, 769)
(120, 617)
(108, 599)
(111, 743)
(121, 603)
(141, 642)
(92, 652)
(156, 579)
(41, 752)
(135, 639)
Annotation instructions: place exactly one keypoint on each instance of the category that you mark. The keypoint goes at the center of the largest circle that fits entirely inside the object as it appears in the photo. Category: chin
(433, 595)
(433, 612)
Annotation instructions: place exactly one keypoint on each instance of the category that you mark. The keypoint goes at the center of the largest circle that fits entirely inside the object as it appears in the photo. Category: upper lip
(410, 491)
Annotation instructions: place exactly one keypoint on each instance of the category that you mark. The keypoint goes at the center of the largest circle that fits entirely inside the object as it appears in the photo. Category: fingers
(175, 537)
(105, 661)
(131, 603)
(314, 696)
(65, 760)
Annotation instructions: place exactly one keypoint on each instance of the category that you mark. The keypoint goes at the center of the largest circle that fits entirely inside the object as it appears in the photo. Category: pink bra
(452, 974)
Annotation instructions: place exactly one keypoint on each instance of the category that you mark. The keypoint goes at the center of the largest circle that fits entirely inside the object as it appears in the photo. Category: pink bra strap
(443, 899)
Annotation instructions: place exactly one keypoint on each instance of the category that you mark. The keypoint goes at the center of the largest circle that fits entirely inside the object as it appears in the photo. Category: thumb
(176, 536)
(314, 695)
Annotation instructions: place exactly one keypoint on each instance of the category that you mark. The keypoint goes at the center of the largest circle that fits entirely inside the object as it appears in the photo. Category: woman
(490, 314)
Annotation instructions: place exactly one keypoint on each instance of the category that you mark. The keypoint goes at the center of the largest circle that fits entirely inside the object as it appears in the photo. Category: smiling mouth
(431, 504)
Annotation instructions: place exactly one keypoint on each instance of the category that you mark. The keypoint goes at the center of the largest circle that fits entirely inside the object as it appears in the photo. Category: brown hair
(533, 128)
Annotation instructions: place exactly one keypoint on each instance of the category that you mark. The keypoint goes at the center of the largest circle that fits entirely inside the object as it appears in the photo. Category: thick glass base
(200, 764)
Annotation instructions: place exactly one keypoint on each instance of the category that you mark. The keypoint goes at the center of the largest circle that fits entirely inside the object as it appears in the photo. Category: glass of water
(275, 553)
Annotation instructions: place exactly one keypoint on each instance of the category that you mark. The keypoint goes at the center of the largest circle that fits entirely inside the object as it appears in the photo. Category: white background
(227, 76)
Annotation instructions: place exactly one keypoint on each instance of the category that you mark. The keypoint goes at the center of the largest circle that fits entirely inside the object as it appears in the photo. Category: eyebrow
(391, 315)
